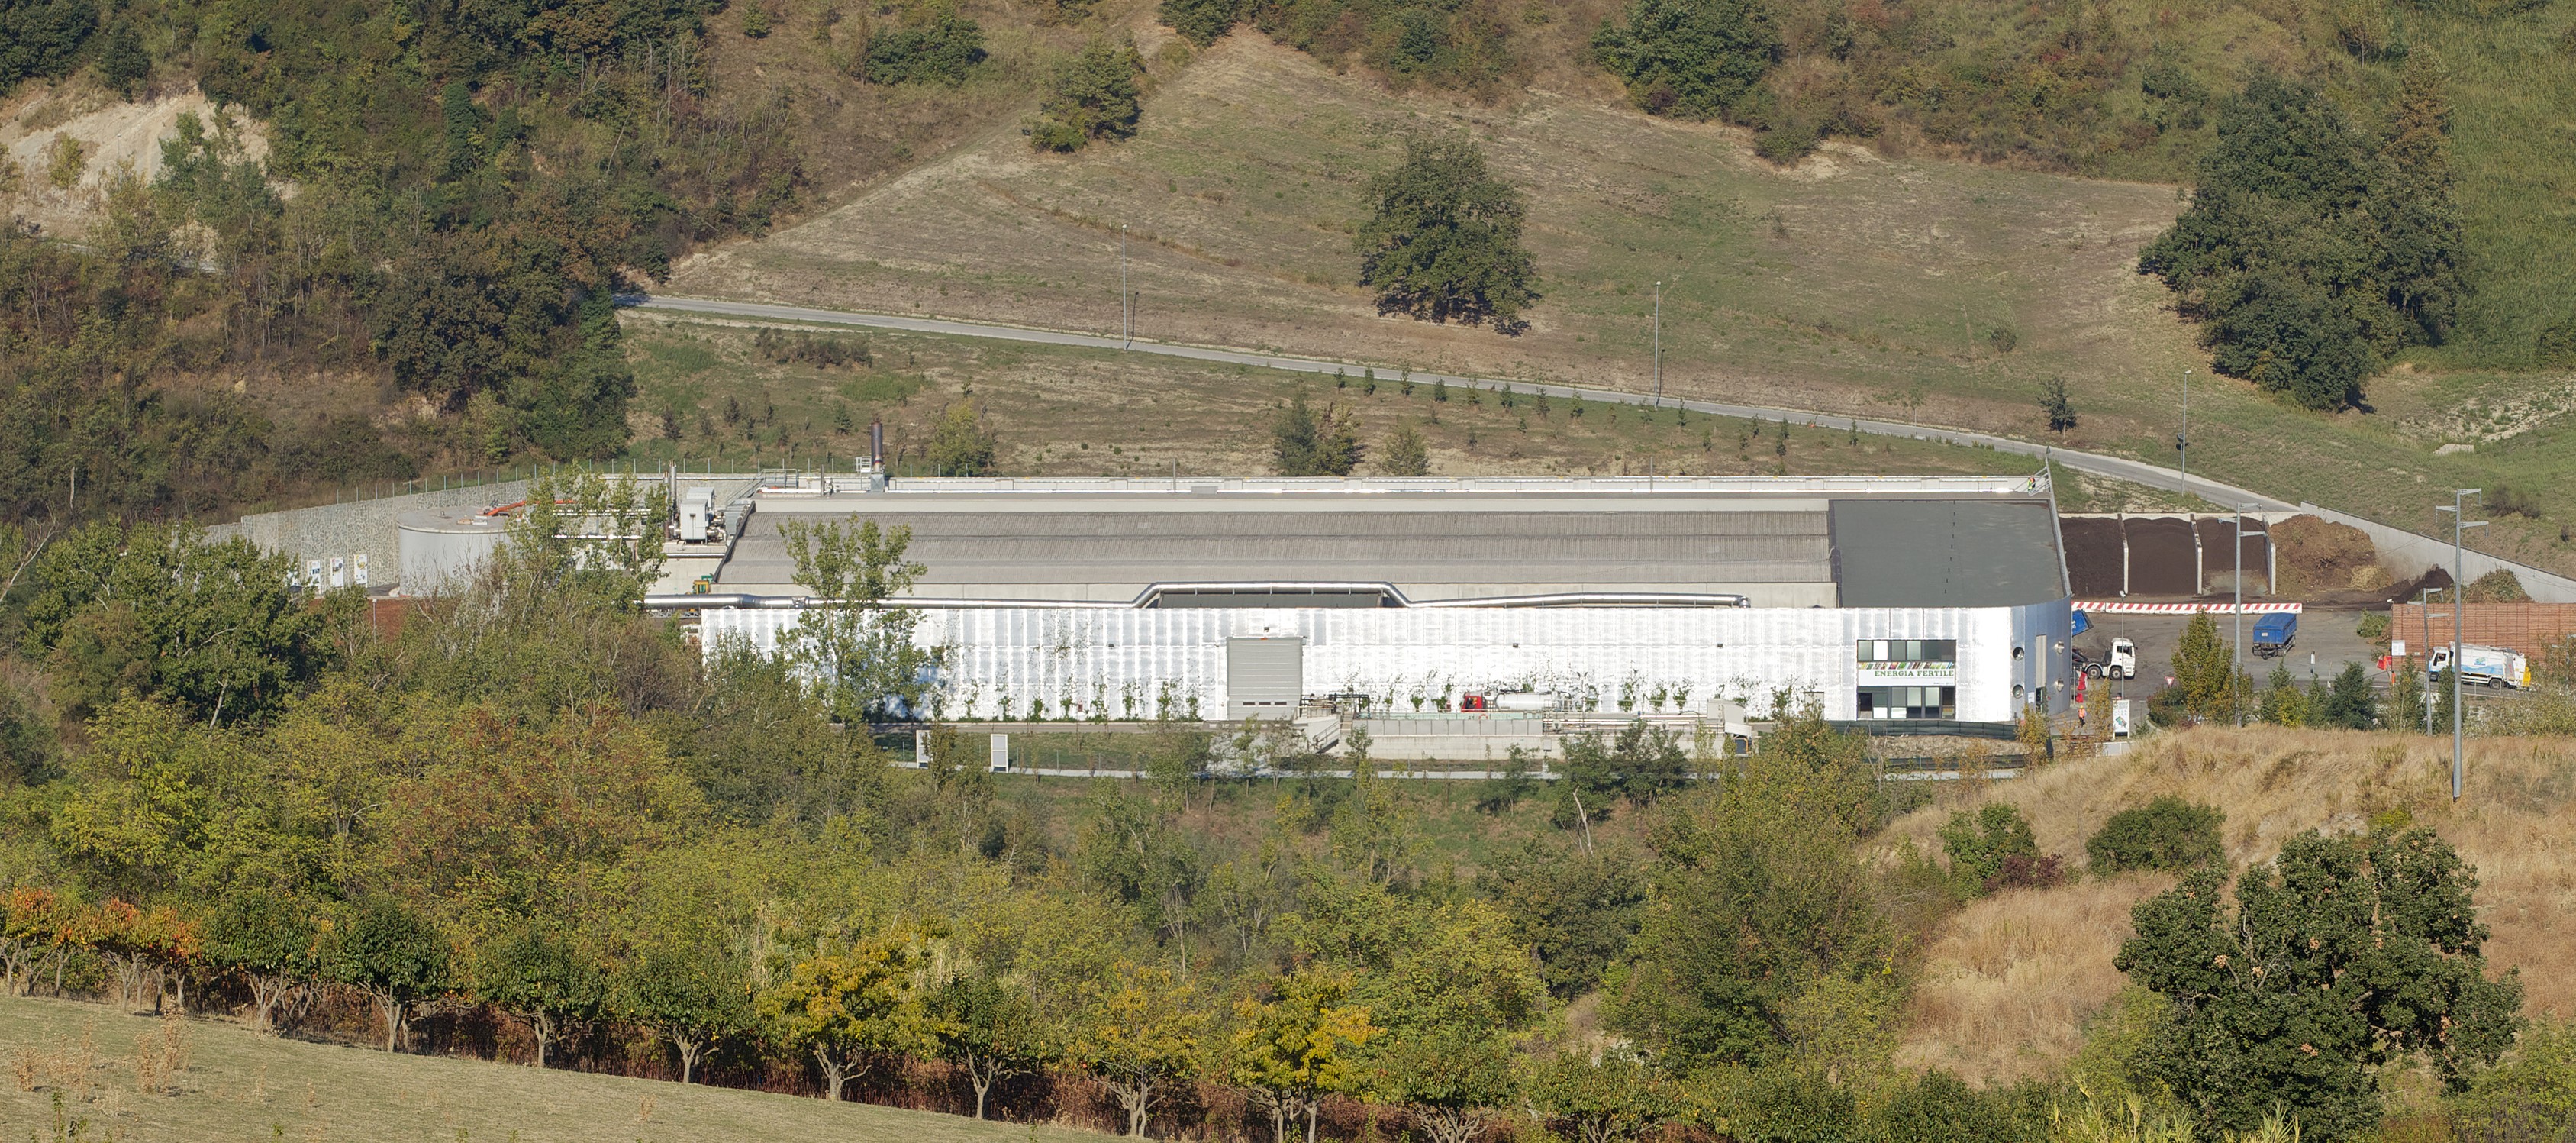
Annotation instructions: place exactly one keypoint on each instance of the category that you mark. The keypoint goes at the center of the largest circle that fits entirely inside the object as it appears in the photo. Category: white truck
(2486, 666)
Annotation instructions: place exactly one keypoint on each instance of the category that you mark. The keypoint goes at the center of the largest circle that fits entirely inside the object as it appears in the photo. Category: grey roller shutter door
(1264, 677)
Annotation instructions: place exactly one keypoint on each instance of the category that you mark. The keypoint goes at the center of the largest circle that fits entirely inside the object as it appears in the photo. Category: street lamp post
(1126, 309)
(2458, 508)
(2236, 684)
(2424, 604)
(2182, 440)
(1659, 345)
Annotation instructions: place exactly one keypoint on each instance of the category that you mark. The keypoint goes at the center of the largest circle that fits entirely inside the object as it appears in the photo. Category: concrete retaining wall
(2407, 555)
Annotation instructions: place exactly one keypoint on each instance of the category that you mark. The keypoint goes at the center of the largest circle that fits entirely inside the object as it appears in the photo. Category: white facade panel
(1130, 664)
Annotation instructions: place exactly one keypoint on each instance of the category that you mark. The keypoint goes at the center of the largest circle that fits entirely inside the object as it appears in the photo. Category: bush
(941, 51)
(1092, 96)
(1981, 843)
(1201, 22)
(1696, 59)
(2167, 833)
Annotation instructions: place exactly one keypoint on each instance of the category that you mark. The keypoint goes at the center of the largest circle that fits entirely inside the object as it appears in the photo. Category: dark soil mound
(2318, 556)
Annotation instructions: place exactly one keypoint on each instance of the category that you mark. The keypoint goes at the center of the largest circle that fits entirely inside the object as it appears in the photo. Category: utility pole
(1126, 308)
(2459, 620)
(1659, 345)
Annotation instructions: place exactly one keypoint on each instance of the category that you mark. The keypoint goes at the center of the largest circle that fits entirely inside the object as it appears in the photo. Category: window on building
(1909, 702)
(1907, 650)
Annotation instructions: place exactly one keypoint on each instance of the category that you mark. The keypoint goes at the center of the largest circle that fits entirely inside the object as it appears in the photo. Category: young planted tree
(992, 1027)
(1303, 443)
(2346, 955)
(540, 976)
(1405, 453)
(1443, 241)
(854, 648)
(2349, 703)
(1140, 1035)
(1297, 1045)
(687, 991)
(392, 955)
(1091, 96)
(2055, 405)
(849, 1010)
(272, 941)
(2204, 668)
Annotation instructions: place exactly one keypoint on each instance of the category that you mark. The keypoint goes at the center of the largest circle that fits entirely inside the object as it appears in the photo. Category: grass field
(1852, 283)
(1063, 411)
(213, 1080)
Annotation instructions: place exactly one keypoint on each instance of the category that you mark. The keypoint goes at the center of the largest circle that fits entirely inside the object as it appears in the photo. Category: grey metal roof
(1104, 553)
(1775, 542)
(1946, 553)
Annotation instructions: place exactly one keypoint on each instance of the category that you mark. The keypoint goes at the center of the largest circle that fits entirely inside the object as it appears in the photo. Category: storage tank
(1524, 701)
(439, 548)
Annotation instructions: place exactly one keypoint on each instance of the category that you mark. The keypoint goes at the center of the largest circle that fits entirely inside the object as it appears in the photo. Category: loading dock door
(1264, 677)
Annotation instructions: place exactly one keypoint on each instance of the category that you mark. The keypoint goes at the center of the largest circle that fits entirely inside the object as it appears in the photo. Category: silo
(442, 547)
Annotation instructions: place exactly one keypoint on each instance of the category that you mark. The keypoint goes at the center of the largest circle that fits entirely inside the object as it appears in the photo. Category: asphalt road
(2120, 468)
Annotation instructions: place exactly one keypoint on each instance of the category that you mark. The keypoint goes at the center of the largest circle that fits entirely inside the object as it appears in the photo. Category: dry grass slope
(1851, 283)
(186, 1081)
(2011, 980)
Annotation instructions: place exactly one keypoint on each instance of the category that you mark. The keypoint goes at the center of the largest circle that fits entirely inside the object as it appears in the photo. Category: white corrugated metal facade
(1145, 663)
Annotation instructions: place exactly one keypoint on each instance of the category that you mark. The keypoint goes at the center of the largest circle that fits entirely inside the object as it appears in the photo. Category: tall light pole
(2182, 440)
(1126, 310)
(2236, 684)
(1659, 345)
(2458, 508)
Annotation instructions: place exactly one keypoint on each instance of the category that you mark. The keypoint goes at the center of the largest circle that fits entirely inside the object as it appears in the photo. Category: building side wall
(1118, 663)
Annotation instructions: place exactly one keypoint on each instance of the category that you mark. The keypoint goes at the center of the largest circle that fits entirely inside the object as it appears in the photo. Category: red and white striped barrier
(2124, 607)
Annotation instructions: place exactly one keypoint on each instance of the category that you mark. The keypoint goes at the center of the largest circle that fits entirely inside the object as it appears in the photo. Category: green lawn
(234, 1084)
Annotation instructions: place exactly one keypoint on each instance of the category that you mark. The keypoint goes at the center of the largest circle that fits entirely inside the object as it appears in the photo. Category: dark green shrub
(1695, 59)
(1201, 22)
(2167, 833)
(1091, 96)
(941, 51)
(1981, 844)
(1938, 1108)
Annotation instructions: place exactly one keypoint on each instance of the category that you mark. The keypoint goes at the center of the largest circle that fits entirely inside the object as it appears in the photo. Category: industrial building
(1920, 603)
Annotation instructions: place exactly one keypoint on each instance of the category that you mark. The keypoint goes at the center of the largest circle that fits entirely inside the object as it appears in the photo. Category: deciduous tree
(1298, 1044)
(390, 953)
(854, 1008)
(2345, 955)
(853, 646)
(1140, 1033)
(273, 942)
(991, 1026)
(541, 975)
(1443, 240)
